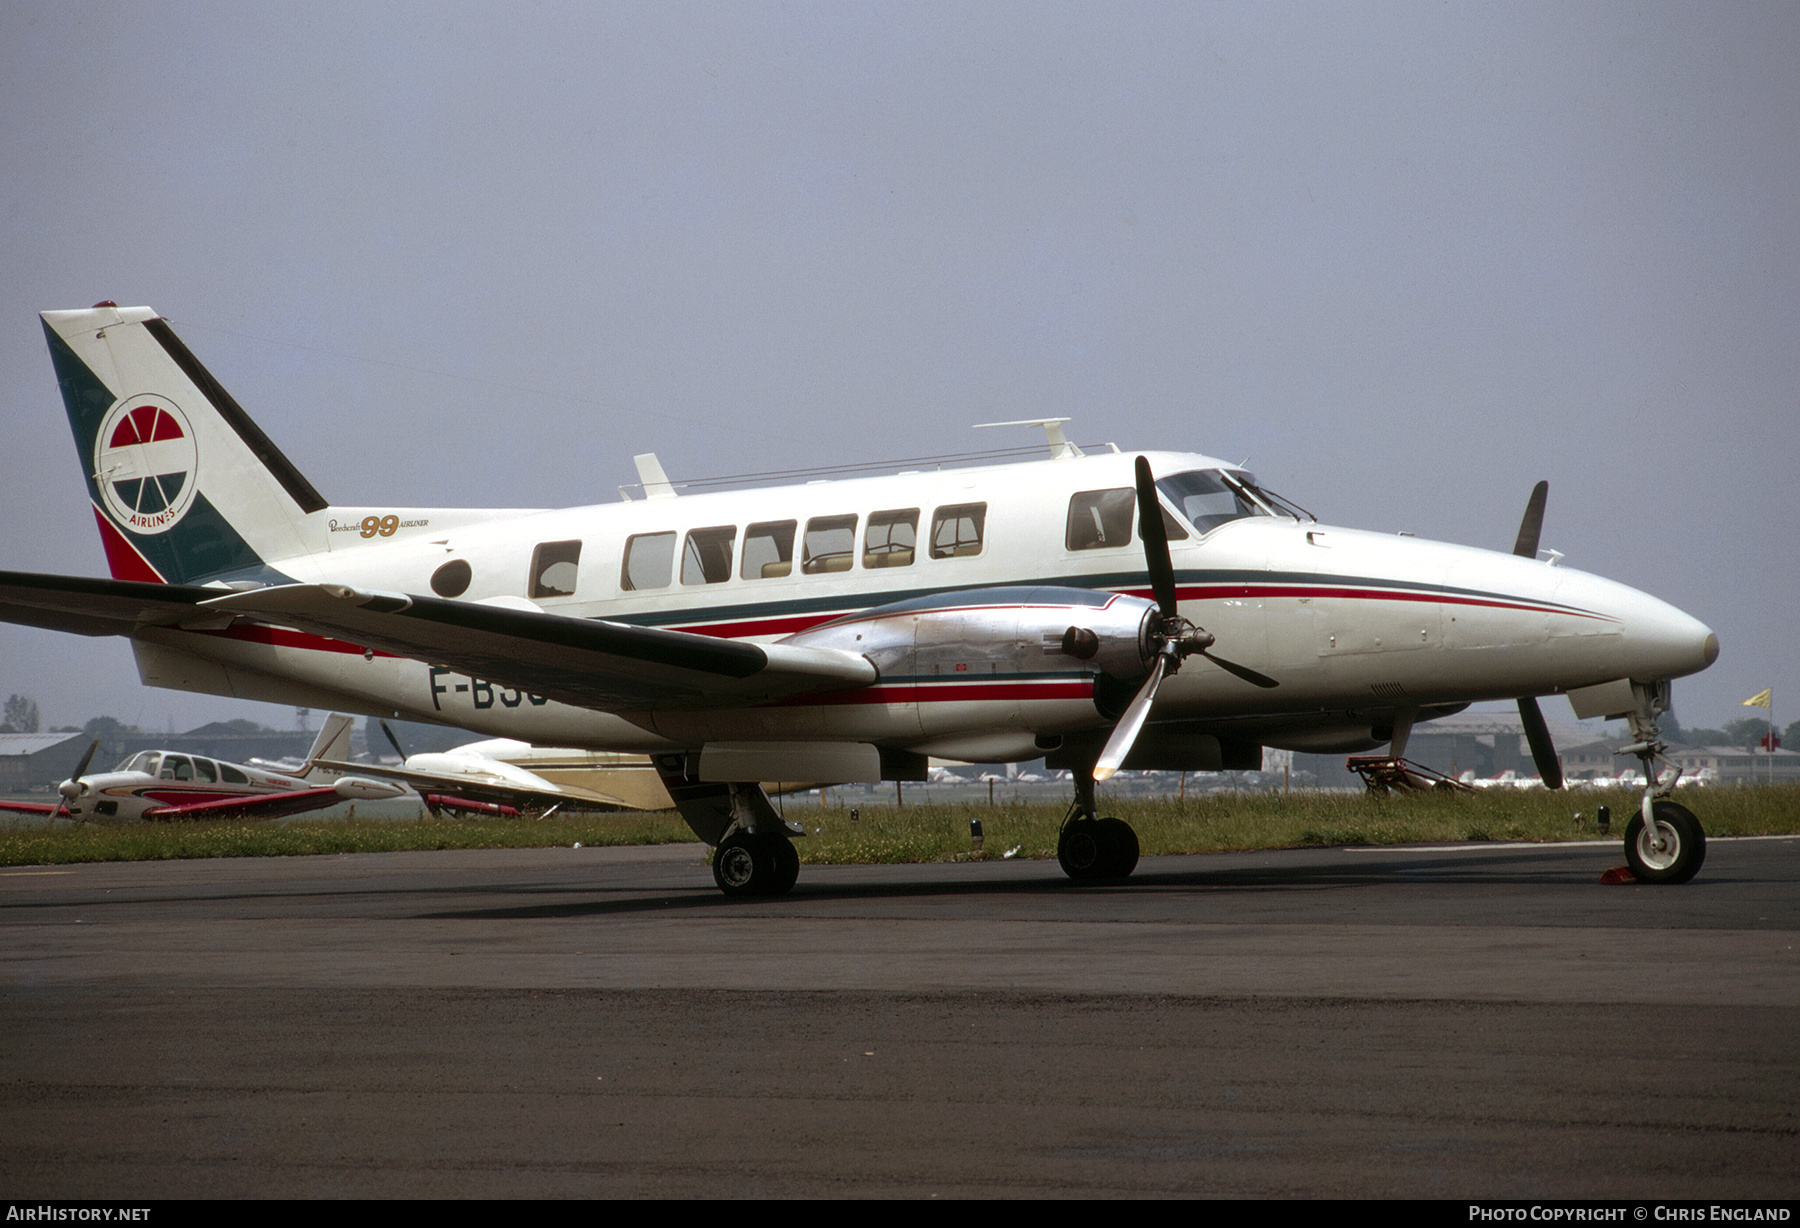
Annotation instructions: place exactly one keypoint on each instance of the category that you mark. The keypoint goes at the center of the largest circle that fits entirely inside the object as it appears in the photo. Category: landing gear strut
(1092, 849)
(1664, 842)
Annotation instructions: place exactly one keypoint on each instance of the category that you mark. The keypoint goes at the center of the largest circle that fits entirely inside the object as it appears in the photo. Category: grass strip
(933, 832)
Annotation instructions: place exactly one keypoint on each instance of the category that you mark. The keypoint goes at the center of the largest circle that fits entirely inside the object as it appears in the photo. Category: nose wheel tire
(1675, 853)
(755, 863)
(1094, 850)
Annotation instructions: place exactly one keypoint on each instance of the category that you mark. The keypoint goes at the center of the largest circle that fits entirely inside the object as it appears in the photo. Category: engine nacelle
(1015, 630)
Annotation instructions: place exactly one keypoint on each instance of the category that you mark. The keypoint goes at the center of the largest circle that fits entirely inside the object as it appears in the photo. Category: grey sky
(1408, 259)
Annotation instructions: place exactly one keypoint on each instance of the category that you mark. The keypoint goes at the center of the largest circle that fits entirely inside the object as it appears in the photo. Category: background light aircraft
(166, 785)
(834, 631)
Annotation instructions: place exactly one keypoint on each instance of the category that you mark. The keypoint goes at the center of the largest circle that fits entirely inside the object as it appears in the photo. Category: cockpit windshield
(1211, 497)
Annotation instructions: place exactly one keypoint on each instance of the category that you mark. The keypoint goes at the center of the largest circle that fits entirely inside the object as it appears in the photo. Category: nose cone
(1660, 641)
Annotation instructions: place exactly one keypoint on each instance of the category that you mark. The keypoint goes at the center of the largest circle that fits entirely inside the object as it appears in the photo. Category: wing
(590, 663)
(469, 786)
(258, 805)
(33, 808)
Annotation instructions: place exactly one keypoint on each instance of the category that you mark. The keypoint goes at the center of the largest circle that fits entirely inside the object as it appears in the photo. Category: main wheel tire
(1081, 850)
(786, 862)
(755, 863)
(740, 865)
(1124, 847)
(1684, 845)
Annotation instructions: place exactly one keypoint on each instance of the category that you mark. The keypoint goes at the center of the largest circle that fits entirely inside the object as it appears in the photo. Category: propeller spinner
(70, 789)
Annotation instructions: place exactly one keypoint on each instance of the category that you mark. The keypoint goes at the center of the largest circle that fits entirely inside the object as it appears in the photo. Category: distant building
(31, 761)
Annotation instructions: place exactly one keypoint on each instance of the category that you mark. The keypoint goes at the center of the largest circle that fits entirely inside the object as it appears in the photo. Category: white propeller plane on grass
(847, 630)
(166, 785)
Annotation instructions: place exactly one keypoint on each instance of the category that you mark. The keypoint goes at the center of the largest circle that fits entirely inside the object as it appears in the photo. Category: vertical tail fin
(332, 743)
(185, 487)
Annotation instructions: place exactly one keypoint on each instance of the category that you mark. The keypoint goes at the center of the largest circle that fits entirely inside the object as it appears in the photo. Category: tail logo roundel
(144, 462)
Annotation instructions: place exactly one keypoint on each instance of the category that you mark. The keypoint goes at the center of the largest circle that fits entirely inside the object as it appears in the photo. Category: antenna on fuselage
(650, 473)
(1060, 447)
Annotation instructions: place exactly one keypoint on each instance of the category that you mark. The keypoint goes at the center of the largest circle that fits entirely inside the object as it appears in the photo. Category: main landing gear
(1091, 849)
(1664, 842)
(752, 854)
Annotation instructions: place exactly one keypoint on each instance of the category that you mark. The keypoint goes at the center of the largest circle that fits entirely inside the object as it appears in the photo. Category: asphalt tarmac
(1470, 1022)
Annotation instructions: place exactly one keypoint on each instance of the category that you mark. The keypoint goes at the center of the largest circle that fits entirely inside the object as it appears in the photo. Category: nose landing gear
(1664, 842)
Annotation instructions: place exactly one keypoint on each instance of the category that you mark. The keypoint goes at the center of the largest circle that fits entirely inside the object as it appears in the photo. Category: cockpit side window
(1207, 499)
(1100, 518)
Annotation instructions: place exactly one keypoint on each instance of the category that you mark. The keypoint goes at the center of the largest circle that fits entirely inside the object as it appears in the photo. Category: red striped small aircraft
(842, 630)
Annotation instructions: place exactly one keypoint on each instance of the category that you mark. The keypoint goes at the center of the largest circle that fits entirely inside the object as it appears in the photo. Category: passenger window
(553, 569)
(830, 544)
(649, 561)
(1100, 518)
(768, 550)
(204, 770)
(706, 559)
(890, 539)
(956, 530)
(176, 767)
(232, 776)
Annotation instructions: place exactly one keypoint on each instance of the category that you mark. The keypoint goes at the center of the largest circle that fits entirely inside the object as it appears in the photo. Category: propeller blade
(70, 789)
(1126, 731)
(393, 741)
(1532, 526)
(1156, 541)
(1242, 671)
(1537, 734)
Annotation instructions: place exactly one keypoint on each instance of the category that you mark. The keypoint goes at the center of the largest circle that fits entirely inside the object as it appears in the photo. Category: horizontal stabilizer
(87, 606)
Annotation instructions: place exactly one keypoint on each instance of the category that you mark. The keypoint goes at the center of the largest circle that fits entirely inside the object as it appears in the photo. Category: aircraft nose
(1668, 643)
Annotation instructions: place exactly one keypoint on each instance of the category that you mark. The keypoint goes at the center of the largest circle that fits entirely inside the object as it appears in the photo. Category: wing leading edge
(590, 663)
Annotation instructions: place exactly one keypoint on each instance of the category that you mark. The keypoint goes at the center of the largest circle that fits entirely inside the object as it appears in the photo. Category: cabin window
(769, 550)
(176, 767)
(1100, 518)
(231, 775)
(830, 544)
(956, 530)
(452, 579)
(706, 559)
(204, 770)
(649, 561)
(554, 566)
(891, 538)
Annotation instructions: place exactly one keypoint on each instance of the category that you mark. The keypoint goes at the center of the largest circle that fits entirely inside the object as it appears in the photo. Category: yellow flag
(1758, 700)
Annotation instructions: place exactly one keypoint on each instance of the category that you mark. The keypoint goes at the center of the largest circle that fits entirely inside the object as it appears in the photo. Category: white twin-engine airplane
(834, 631)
